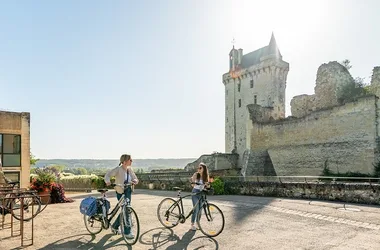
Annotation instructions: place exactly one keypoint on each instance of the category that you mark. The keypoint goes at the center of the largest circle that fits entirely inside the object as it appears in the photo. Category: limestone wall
(262, 84)
(331, 78)
(364, 193)
(375, 81)
(343, 138)
(18, 124)
(302, 105)
(217, 161)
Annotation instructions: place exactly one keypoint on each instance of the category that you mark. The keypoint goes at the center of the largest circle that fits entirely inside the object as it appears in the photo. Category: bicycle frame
(121, 203)
(202, 200)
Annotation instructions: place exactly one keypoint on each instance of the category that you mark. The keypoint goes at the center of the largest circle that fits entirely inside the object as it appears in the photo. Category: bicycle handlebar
(122, 185)
(198, 183)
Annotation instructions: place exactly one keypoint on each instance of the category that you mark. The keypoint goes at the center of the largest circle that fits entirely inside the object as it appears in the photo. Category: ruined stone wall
(342, 138)
(217, 161)
(331, 79)
(375, 81)
(302, 105)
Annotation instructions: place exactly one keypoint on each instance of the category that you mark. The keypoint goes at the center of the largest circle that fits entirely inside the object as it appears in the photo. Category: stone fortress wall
(320, 133)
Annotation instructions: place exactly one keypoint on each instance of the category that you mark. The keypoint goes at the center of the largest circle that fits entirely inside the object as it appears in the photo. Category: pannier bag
(88, 206)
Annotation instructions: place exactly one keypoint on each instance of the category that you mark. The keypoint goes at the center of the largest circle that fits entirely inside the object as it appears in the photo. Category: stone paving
(251, 223)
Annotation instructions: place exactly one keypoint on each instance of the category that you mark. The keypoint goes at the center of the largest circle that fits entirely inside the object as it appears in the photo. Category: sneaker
(130, 236)
(193, 228)
(114, 230)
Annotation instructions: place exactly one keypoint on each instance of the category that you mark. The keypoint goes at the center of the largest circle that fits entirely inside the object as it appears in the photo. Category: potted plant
(42, 183)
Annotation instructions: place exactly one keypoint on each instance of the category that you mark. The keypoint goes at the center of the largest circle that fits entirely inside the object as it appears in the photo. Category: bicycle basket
(88, 206)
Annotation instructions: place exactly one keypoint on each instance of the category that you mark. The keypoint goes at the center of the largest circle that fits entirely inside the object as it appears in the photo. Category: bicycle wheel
(212, 221)
(93, 224)
(129, 221)
(30, 203)
(168, 213)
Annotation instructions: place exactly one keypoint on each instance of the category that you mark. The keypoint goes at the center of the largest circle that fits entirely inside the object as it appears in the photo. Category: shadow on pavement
(243, 205)
(164, 238)
(85, 241)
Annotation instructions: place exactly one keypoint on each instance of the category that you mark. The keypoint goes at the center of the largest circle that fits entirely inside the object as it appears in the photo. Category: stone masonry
(18, 124)
(320, 133)
(330, 79)
(258, 77)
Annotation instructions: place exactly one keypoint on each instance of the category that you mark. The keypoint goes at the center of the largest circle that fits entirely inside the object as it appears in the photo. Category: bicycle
(176, 213)
(12, 200)
(127, 215)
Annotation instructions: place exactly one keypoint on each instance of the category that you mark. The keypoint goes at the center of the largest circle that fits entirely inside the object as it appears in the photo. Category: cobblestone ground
(251, 223)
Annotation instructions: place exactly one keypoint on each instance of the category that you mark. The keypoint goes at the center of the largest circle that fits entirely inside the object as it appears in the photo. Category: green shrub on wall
(218, 186)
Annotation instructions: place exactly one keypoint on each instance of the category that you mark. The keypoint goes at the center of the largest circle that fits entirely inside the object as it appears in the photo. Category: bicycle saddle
(178, 188)
(102, 190)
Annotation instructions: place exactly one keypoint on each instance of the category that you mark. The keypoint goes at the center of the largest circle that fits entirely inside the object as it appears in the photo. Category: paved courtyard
(251, 223)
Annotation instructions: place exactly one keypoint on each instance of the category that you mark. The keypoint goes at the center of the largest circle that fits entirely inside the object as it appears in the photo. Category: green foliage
(139, 171)
(33, 159)
(56, 168)
(376, 170)
(44, 179)
(77, 171)
(98, 182)
(218, 186)
(346, 63)
(82, 181)
(351, 91)
(327, 172)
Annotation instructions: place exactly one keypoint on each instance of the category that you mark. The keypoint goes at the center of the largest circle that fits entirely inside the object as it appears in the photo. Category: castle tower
(258, 77)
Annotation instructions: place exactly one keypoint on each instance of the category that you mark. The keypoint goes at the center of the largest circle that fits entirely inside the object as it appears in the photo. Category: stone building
(15, 146)
(322, 132)
(257, 78)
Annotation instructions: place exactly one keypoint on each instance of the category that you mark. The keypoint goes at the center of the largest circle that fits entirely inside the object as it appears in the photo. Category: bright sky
(101, 78)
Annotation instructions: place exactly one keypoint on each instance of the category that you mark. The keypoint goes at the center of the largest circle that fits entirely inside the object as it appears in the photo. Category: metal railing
(184, 177)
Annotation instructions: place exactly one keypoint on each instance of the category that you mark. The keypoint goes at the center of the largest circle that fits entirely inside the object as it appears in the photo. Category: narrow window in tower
(255, 99)
(251, 84)
(227, 92)
(239, 103)
(239, 87)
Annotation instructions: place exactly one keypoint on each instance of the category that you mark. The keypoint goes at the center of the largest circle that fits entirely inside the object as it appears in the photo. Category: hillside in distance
(108, 164)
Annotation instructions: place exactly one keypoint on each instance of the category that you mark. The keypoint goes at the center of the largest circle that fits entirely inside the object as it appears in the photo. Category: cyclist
(123, 174)
(201, 177)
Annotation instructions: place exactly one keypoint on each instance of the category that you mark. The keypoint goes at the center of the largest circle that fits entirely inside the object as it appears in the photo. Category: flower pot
(45, 196)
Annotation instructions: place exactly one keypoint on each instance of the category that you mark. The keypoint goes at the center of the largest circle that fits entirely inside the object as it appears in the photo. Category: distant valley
(146, 164)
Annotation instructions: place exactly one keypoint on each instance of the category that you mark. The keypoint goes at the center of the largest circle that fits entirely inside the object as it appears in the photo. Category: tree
(33, 159)
(349, 92)
(346, 64)
(56, 168)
